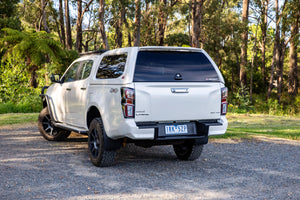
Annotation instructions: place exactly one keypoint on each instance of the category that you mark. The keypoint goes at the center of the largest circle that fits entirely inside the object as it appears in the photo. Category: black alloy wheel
(48, 130)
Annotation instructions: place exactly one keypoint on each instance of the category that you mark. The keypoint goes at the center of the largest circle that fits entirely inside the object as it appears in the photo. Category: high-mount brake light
(224, 103)
(128, 102)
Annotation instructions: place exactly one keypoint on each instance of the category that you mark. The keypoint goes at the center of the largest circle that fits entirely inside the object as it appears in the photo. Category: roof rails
(99, 51)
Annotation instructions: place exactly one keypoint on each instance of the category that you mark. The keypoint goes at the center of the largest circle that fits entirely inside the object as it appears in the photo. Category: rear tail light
(224, 103)
(128, 102)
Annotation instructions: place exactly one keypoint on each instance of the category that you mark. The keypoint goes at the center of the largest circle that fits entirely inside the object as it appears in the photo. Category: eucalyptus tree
(102, 24)
(137, 23)
(80, 14)
(244, 42)
(68, 25)
(293, 80)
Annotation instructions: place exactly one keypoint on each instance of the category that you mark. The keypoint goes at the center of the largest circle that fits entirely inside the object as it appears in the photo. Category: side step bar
(57, 123)
(71, 128)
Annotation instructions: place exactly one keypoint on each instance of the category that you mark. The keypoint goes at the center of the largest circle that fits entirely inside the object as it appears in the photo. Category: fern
(36, 47)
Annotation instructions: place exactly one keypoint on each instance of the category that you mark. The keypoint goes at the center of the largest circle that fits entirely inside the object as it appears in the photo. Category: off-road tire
(97, 153)
(48, 130)
(188, 150)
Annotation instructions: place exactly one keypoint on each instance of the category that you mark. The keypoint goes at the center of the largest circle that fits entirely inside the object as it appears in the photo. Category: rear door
(176, 86)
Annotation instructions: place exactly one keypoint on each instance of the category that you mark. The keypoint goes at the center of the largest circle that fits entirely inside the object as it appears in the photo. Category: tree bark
(102, 24)
(78, 44)
(280, 49)
(68, 26)
(197, 6)
(80, 14)
(264, 26)
(62, 24)
(162, 21)
(118, 27)
(244, 44)
(254, 53)
(128, 32)
(270, 87)
(293, 58)
(137, 23)
(32, 70)
(43, 7)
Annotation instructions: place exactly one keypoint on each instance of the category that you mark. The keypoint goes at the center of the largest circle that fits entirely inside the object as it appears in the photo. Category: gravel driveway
(33, 168)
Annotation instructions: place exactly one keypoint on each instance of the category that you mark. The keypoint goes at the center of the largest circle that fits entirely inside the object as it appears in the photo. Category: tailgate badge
(178, 76)
(113, 90)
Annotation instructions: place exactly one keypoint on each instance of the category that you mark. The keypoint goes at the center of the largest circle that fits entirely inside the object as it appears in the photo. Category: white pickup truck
(142, 95)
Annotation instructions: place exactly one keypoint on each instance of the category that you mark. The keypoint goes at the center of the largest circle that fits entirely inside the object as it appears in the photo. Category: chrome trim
(180, 90)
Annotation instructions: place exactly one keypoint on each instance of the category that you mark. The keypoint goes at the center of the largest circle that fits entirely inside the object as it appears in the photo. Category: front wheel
(188, 150)
(99, 156)
(48, 130)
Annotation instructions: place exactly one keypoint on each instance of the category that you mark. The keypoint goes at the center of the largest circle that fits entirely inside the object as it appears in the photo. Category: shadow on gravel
(33, 168)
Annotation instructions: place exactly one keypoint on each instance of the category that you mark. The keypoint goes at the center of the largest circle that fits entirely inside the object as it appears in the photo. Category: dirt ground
(33, 168)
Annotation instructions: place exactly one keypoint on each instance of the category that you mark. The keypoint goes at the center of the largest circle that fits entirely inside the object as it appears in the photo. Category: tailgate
(177, 101)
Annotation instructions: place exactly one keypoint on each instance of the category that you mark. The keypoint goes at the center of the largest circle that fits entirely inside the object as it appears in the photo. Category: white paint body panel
(154, 101)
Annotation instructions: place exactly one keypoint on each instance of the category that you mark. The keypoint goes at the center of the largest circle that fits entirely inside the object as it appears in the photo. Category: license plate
(176, 129)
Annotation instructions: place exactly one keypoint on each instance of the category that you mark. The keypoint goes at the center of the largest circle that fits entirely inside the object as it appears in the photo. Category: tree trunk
(264, 26)
(293, 59)
(118, 27)
(137, 23)
(254, 53)
(78, 44)
(102, 24)
(128, 32)
(148, 38)
(80, 14)
(32, 70)
(270, 87)
(244, 43)
(62, 24)
(45, 25)
(162, 21)
(68, 26)
(196, 22)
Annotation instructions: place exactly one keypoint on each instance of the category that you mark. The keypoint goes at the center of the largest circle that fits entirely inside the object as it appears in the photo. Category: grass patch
(249, 125)
(240, 125)
(18, 118)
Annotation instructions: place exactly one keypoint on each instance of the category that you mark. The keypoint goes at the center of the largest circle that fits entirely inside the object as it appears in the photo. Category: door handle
(69, 89)
(180, 90)
(83, 88)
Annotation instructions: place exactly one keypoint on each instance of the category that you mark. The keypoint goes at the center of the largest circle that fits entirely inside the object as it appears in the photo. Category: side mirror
(55, 78)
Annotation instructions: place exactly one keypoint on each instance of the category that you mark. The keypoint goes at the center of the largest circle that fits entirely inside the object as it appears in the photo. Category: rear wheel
(97, 153)
(48, 130)
(188, 150)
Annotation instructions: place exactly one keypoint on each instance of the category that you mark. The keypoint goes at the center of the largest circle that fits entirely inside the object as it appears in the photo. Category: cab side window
(71, 74)
(111, 66)
(86, 69)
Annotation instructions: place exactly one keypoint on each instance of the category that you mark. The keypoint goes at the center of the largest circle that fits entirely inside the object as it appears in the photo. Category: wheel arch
(92, 113)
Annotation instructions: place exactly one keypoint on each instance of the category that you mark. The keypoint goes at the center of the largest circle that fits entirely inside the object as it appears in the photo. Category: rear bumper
(219, 129)
(153, 130)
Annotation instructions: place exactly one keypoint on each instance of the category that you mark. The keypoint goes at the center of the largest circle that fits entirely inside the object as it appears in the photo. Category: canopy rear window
(166, 66)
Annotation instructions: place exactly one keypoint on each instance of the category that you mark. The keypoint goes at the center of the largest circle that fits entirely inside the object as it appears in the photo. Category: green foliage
(15, 93)
(35, 46)
(177, 39)
(241, 100)
(8, 8)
